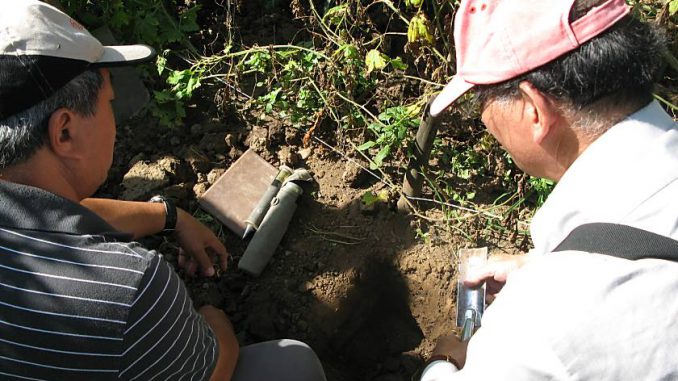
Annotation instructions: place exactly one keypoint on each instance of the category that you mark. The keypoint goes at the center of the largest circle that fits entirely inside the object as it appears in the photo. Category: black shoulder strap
(620, 241)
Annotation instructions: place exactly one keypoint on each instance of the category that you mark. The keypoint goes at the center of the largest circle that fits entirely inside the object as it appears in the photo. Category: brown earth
(358, 285)
(369, 289)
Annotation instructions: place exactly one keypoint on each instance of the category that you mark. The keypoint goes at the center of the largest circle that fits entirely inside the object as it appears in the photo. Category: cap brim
(125, 55)
(451, 92)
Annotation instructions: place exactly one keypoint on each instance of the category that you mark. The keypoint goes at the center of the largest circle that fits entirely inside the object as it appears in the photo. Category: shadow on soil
(335, 283)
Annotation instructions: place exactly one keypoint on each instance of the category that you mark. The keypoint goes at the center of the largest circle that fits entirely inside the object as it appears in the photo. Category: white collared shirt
(629, 175)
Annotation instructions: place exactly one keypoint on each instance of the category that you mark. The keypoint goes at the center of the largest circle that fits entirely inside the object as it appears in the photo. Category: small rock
(305, 152)
(287, 156)
(175, 141)
(257, 139)
(199, 189)
(197, 160)
(234, 153)
(230, 140)
(351, 172)
(214, 143)
(306, 286)
(214, 175)
(142, 180)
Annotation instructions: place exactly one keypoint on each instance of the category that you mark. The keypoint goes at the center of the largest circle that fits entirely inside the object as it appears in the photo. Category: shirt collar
(601, 183)
(30, 208)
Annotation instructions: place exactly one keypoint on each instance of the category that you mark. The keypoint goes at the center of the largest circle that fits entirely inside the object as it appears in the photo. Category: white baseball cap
(42, 49)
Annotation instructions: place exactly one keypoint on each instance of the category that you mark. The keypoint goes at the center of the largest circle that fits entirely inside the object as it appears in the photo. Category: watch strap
(443, 358)
(170, 213)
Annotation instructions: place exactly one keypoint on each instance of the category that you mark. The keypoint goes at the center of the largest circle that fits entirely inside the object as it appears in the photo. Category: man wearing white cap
(78, 299)
(566, 87)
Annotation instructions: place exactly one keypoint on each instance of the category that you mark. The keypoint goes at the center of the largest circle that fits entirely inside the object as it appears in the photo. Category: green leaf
(146, 27)
(398, 64)
(366, 145)
(673, 7)
(168, 33)
(188, 20)
(335, 15)
(161, 64)
(349, 51)
(375, 60)
(163, 96)
(369, 198)
(383, 154)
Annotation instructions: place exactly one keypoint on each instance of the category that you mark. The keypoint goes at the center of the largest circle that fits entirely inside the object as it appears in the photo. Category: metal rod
(428, 128)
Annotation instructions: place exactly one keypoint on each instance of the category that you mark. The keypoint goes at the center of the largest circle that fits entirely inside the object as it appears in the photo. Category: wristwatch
(170, 214)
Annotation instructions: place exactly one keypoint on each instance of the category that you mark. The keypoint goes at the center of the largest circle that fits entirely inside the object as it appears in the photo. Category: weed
(362, 68)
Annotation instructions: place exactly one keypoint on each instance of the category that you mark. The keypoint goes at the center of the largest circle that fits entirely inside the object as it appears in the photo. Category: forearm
(228, 344)
(137, 218)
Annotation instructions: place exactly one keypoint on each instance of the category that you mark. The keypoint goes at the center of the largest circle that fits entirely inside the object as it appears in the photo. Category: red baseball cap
(497, 40)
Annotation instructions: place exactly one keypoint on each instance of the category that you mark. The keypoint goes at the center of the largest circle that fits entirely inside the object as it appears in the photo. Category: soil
(358, 284)
(354, 283)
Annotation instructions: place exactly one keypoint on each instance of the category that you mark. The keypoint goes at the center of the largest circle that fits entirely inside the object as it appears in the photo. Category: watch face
(157, 198)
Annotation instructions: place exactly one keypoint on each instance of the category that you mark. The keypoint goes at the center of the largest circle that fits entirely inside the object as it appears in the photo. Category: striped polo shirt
(79, 301)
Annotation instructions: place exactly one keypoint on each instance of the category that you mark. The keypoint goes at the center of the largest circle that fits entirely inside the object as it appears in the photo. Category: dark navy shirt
(79, 301)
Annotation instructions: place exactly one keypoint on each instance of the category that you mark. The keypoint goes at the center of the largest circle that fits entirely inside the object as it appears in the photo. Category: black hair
(22, 134)
(615, 69)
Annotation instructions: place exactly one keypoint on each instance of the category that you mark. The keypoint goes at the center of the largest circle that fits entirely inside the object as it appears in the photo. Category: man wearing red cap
(566, 87)
(79, 300)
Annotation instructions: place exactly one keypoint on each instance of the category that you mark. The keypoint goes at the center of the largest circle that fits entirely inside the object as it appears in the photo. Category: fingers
(201, 247)
(187, 263)
(218, 249)
(477, 278)
(204, 262)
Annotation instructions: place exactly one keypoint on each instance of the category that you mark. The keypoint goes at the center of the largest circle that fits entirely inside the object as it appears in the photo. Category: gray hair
(22, 134)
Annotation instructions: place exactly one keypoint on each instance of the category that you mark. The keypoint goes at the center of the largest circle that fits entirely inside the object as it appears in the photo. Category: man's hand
(141, 219)
(199, 246)
(453, 347)
(495, 273)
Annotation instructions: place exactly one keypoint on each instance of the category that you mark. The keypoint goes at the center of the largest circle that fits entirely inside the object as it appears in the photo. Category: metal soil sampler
(470, 302)
(271, 230)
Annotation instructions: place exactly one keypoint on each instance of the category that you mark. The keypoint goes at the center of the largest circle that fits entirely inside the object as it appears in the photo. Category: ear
(62, 133)
(539, 111)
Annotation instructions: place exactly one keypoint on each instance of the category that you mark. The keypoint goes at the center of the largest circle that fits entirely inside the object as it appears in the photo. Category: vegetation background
(358, 72)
